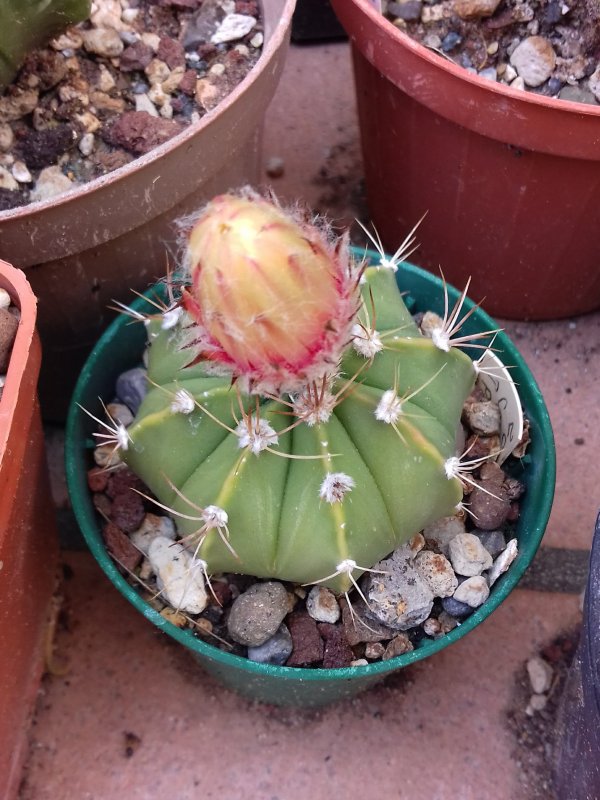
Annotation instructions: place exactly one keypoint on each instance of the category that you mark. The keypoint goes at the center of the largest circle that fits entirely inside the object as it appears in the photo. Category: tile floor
(134, 718)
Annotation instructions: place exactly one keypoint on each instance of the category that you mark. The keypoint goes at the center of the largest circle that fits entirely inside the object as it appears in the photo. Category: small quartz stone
(503, 562)
(232, 27)
(86, 144)
(322, 605)
(437, 572)
(7, 181)
(21, 173)
(50, 183)
(468, 555)
(473, 591)
(397, 647)
(439, 534)
(152, 527)
(103, 42)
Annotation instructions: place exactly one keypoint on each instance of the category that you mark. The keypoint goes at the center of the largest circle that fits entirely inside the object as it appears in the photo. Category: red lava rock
(102, 504)
(171, 52)
(221, 591)
(39, 149)
(8, 331)
(136, 57)
(206, 50)
(338, 652)
(122, 481)
(97, 479)
(121, 547)
(139, 132)
(127, 511)
(514, 512)
(489, 501)
(188, 82)
(308, 645)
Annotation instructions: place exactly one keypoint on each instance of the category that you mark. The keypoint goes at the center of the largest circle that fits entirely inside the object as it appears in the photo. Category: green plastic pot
(121, 348)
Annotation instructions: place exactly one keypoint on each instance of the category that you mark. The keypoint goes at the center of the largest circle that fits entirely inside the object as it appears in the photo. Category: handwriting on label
(499, 387)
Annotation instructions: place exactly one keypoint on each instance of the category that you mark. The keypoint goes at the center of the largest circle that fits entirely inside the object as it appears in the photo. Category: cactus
(26, 24)
(298, 425)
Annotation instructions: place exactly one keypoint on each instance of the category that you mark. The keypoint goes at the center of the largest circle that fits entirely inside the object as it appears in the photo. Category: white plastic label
(499, 387)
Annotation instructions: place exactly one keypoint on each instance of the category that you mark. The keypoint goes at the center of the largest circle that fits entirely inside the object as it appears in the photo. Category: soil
(482, 35)
(535, 733)
(76, 111)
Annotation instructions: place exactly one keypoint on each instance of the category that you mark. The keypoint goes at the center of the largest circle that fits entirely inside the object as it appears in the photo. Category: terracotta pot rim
(270, 47)
(17, 285)
(434, 60)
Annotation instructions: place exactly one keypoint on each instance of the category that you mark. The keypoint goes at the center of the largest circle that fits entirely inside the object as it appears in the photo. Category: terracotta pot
(93, 244)
(510, 180)
(28, 540)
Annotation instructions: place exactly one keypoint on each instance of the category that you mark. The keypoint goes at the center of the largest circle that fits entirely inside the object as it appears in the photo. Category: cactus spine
(298, 424)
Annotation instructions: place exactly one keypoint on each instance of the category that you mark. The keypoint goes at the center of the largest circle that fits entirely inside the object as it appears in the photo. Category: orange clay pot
(28, 540)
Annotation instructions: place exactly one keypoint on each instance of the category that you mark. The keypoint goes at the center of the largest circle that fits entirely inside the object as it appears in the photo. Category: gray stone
(474, 591)
(131, 388)
(400, 598)
(483, 417)
(493, 541)
(468, 555)
(577, 94)
(455, 608)
(322, 605)
(257, 613)
(437, 572)
(275, 650)
(439, 534)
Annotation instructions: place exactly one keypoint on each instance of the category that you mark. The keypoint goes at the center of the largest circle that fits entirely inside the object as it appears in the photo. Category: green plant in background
(298, 425)
(27, 24)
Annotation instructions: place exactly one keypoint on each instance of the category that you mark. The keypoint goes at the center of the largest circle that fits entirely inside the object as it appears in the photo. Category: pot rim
(543, 441)
(271, 46)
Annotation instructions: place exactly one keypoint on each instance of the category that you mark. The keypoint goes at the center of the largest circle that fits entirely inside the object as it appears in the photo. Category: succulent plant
(26, 24)
(298, 425)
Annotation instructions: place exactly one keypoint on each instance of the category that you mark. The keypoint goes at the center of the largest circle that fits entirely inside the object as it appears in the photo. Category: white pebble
(143, 103)
(4, 298)
(540, 674)
(503, 562)
(217, 69)
(232, 27)
(437, 572)
(534, 59)
(7, 181)
(181, 584)
(152, 527)
(86, 144)
(468, 556)
(474, 591)
(103, 42)
(257, 40)
(51, 182)
(21, 173)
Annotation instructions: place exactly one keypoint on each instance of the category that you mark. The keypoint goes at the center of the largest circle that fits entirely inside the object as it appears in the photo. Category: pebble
(489, 502)
(107, 455)
(308, 647)
(493, 541)
(152, 527)
(50, 183)
(86, 144)
(360, 627)
(275, 167)
(322, 605)
(474, 591)
(439, 534)
(437, 572)
(374, 650)
(128, 511)
(174, 617)
(5, 300)
(540, 674)
(489, 73)
(534, 59)
(182, 585)
(18, 104)
(537, 702)
(257, 613)
(337, 653)
(408, 10)
(475, 9)
(8, 331)
(132, 387)
(577, 94)
(233, 27)
(397, 647)
(450, 41)
(503, 562)
(359, 662)
(455, 608)
(468, 556)
(593, 83)
(143, 103)
(138, 132)
(6, 137)
(121, 547)
(483, 417)
(275, 650)
(103, 42)
(120, 414)
(400, 598)
(7, 181)
(21, 173)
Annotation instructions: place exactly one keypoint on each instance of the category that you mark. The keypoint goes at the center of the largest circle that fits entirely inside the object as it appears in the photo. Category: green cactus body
(27, 24)
(352, 487)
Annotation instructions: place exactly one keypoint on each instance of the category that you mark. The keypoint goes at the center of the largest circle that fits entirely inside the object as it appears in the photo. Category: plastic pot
(510, 180)
(28, 537)
(121, 348)
(93, 244)
(577, 763)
